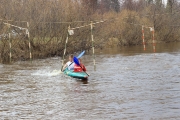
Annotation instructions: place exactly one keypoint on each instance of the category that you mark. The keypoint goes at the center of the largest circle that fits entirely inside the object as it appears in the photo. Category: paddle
(77, 63)
(79, 56)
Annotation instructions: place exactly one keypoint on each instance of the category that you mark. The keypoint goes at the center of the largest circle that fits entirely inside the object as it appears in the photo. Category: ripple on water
(141, 86)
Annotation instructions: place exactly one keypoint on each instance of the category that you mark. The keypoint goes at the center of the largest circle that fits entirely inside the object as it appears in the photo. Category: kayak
(79, 75)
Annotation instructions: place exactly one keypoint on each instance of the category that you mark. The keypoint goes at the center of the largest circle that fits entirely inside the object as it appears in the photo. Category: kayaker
(77, 68)
(69, 64)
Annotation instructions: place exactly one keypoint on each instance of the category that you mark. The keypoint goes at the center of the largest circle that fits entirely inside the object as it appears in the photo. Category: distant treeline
(49, 21)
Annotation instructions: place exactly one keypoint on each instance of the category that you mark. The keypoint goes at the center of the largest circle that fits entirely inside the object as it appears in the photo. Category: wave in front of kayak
(47, 73)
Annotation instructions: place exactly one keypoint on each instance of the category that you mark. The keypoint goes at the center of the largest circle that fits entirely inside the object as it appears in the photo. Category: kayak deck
(79, 75)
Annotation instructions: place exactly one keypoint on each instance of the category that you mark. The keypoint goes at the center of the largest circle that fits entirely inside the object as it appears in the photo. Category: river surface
(128, 83)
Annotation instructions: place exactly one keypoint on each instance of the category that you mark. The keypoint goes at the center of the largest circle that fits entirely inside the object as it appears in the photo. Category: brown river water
(128, 83)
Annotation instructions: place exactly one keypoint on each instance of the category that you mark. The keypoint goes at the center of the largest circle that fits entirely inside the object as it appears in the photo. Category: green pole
(27, 32)
(65, 48)
(10, 46)
(92, 38)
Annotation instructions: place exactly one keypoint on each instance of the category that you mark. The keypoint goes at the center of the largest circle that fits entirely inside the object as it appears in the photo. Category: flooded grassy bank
(50, 48)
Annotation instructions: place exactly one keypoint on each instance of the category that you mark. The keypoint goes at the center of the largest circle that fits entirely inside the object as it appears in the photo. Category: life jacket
(77, 68)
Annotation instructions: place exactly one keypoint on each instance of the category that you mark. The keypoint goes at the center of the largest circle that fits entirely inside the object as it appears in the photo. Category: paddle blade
(76, 61)
(80, 55)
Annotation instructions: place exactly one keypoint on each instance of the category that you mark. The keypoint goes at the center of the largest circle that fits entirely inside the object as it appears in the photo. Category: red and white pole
(143, 38)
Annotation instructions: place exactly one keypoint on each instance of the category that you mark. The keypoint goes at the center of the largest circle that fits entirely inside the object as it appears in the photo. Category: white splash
(47, 73)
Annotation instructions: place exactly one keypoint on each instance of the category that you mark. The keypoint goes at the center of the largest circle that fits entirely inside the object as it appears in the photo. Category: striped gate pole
(27, 32)
(154, 47)
(92, 37)
(10, 45)
(143, 38)
(65, 48)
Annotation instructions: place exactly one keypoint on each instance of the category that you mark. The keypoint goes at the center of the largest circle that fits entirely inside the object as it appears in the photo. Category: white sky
(165, 2)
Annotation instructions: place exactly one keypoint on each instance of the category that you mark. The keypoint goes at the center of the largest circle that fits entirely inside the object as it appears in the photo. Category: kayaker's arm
(64, 67)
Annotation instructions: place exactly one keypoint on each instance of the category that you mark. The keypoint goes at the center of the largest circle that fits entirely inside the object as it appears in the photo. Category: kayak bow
(79, 75)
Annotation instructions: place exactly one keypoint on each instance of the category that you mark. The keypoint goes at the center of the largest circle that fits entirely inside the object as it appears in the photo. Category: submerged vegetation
(118, 22)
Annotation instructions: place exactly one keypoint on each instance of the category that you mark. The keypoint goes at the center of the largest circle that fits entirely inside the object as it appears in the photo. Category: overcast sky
(165, 1)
